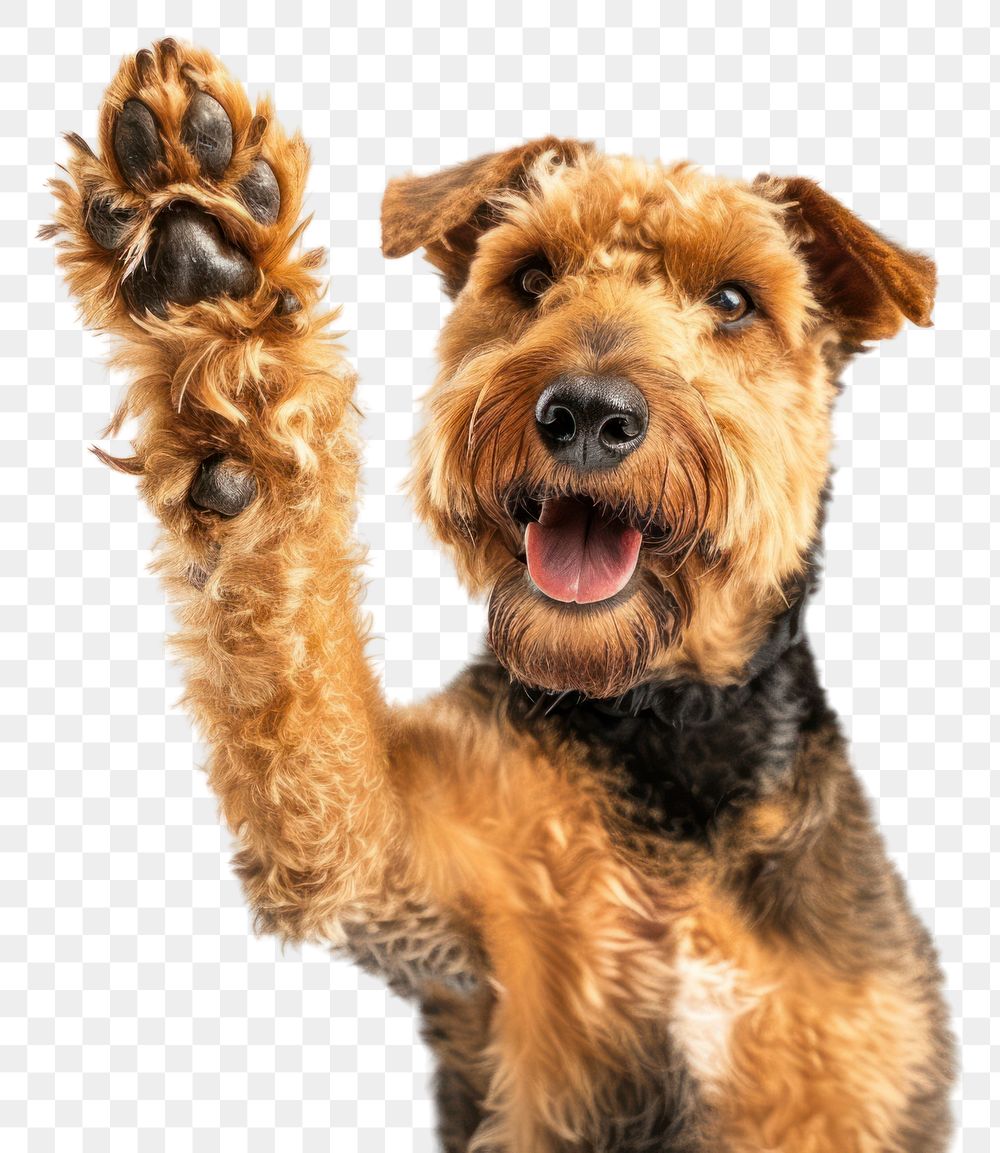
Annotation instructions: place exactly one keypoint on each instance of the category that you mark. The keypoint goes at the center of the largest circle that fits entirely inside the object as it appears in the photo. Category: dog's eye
(731, 302)
(531, 280)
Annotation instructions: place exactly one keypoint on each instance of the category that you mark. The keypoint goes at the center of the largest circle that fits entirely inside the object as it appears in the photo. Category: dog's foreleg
(178, 239)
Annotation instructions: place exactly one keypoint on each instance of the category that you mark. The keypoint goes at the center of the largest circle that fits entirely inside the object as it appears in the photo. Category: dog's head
(627, 444)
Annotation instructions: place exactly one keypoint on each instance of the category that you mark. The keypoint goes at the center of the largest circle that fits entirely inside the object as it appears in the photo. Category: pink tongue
(576, 553)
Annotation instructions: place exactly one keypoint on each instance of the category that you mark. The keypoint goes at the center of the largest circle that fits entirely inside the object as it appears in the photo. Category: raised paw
(193, 199)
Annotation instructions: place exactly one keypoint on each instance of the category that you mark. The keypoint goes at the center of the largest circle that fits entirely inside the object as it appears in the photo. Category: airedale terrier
(622, 862)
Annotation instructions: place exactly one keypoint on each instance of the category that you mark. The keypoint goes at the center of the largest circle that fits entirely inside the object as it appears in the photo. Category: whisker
(470, 441)
(557, 700)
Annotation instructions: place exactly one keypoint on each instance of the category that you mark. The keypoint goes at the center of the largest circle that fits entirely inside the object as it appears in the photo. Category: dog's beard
(600, 649)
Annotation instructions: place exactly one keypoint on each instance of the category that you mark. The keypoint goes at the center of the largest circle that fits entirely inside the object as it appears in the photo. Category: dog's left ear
(446, 213)
(865, 282)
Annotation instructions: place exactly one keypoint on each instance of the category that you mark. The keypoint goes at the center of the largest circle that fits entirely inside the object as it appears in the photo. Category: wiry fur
(628, 872)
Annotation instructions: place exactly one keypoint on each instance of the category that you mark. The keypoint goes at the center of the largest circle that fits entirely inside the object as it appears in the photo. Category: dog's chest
(679, 757)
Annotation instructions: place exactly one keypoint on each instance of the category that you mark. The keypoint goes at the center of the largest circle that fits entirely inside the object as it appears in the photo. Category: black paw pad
(259, 189)
(106, 223)
(189, 260)
(137, 144)
(208, 135)
(288, 303)
(223, 486)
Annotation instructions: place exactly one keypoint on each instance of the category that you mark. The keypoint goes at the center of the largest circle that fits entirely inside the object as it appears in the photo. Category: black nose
(591, 421)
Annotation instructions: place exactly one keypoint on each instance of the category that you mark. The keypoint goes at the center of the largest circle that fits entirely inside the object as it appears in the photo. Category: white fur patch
(712, 994)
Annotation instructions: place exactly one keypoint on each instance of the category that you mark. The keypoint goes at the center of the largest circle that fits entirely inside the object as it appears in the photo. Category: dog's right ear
(446, 213)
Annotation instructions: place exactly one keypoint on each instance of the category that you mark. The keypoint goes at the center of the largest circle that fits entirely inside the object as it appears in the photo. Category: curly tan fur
(588, 982)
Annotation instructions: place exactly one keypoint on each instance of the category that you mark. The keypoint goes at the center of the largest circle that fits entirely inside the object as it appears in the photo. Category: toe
(208, 134)
(137, 144)
(106, 223)
(145, 65)
(259, 189)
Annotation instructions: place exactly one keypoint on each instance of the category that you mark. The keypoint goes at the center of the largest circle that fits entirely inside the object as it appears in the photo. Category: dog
(622, 862)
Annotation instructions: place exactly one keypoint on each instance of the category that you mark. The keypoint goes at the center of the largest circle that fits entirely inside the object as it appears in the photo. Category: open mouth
(577, 551)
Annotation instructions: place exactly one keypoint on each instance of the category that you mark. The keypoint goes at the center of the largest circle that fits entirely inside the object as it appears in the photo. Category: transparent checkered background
(138, 1010)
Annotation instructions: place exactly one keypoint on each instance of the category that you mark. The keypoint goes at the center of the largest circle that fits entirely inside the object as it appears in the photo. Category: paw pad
(288, 303)
(138, 148)
(208, 135)
(259, 190)
(106, 223)
(190, 260)
(223, 486)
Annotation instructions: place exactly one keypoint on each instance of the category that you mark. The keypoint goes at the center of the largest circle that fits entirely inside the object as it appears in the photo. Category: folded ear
(865, 282)
(446, 213)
